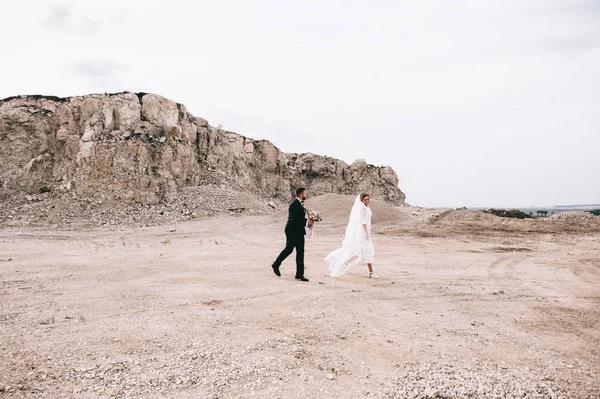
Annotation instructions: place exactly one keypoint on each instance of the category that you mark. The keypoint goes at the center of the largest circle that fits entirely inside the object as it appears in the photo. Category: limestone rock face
(145, 148)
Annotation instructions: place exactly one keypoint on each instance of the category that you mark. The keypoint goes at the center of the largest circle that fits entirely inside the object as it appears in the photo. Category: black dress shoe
(276, 270)
(301, 278)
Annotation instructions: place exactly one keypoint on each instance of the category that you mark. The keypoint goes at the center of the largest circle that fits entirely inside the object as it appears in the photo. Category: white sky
(476, 103)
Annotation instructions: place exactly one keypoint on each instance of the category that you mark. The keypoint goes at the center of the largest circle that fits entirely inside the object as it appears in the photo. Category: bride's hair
(363, 195)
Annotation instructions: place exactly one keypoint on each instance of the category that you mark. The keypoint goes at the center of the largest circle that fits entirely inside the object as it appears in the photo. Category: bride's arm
(364, 218)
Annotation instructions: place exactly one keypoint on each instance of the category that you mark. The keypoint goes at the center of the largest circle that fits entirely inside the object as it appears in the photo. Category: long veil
(342, 259)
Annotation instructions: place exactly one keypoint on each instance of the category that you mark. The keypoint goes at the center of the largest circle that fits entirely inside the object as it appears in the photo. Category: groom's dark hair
(300, 190)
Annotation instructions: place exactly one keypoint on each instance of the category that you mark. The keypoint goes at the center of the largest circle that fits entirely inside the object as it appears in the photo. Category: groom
(294, 234)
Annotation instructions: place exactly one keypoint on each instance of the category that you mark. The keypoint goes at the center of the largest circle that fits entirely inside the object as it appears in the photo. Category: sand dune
(336, 208)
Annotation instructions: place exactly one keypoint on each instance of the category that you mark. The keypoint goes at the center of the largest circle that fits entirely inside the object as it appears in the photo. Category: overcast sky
(476, 103)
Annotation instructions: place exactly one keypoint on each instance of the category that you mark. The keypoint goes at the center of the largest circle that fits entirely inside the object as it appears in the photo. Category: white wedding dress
(356, 247)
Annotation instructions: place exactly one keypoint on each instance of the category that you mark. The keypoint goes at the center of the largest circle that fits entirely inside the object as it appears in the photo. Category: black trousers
(293, 241)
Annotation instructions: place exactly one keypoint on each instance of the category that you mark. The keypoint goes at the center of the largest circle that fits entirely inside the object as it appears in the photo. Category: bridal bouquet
(315, 216)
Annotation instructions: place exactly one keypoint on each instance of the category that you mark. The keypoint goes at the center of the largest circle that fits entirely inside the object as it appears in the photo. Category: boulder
(159, 111)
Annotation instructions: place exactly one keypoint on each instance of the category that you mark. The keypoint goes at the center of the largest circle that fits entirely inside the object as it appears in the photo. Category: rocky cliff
(143, 148)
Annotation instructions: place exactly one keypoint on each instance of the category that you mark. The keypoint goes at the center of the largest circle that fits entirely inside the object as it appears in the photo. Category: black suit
(294, 234)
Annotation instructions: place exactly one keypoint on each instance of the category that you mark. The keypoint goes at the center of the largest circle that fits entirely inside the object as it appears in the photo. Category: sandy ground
(193, 310)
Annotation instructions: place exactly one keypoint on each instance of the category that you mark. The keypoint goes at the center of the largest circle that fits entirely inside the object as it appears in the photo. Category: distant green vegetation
(595, 212)
(509, 213)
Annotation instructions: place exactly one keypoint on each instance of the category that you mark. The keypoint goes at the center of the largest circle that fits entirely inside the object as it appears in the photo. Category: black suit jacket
(296, 219)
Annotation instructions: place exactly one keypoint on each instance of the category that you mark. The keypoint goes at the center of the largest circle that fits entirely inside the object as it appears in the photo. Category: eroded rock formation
(143, 148)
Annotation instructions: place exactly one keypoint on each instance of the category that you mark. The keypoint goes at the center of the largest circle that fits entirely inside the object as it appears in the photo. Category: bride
(357, 246)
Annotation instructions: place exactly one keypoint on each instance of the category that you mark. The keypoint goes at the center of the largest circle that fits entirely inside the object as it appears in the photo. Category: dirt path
(193, 310)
